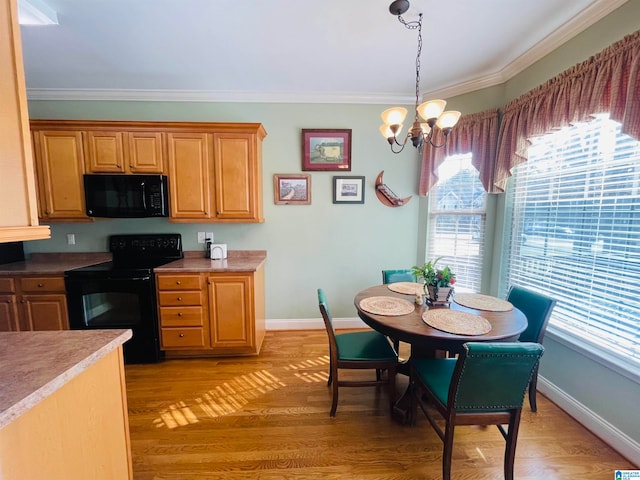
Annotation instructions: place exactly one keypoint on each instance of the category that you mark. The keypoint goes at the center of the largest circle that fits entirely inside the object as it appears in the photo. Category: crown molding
(139, 95)
(567, 31)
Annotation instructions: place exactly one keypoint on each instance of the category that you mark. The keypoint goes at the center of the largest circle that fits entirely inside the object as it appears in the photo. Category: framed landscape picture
(326, 149)
(348, 189)
(292, 189)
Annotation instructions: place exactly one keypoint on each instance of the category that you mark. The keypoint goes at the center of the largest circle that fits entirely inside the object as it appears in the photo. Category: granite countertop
(52, 263)
(33, 365)
(236, 261)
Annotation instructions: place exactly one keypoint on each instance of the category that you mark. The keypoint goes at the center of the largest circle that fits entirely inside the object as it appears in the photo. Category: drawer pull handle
(179, 299)
(40, 285)
(181, 335)
(178, 282)
(179, 314)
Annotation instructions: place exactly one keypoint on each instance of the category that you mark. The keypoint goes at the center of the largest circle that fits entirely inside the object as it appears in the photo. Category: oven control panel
(162, 244)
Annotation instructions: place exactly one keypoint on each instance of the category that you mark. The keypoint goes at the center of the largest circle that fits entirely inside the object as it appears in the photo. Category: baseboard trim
(615, 438)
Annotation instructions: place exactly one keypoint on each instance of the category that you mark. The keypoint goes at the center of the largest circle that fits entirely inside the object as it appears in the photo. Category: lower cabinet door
(45, 312)
(231, 311)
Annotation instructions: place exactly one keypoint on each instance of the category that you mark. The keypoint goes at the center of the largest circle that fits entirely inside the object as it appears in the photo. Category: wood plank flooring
(267, 418)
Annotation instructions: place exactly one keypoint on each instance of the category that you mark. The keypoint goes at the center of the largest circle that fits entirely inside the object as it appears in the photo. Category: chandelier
(429, 116)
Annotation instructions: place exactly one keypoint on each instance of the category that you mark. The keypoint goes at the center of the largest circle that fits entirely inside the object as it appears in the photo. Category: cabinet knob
(132, 167)
(179, 299)
(178, 282)
(40, 285)
(179, 314)
(181, 335)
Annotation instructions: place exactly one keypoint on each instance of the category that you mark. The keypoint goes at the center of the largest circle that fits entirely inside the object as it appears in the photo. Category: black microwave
(126, 196)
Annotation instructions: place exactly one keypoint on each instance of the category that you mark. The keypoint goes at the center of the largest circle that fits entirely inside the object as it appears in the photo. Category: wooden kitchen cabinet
(190, 166)
(19, 212)
(214, 169)
(33, 303)
(237, 177)
(211, 314)
(59, 158)
(124, 152)
(181, 312)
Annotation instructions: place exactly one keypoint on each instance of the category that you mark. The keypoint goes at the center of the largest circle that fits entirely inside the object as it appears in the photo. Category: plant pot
(442, 297)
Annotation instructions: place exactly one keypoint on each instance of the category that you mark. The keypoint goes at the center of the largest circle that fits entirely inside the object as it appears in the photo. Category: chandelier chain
(413, 25)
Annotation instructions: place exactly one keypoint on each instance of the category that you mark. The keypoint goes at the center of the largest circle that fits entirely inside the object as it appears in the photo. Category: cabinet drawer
(179, 282)
(174, 299)
(181, 317)
(189, 337)
(7, 285)
(42, 284)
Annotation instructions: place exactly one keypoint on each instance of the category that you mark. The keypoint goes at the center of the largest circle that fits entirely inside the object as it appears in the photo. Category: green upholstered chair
(358, 350)
(485, 385)
(399, 275)
(537, 308)
(402, 275)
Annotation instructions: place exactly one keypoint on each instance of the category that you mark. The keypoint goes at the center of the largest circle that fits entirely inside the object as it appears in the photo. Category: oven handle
(144, 196)
(139, 279)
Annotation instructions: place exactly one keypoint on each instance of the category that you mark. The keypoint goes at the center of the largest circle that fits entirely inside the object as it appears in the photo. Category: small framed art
(326, 149)
(348, 189)
(292, 189)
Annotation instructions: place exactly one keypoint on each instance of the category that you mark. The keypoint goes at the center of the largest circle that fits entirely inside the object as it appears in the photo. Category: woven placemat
(482, 302)
(408, 288)
(390, 306)
(453, 321)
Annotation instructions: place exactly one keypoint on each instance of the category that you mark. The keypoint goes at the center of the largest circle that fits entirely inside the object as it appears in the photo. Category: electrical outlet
(201, 237)
(71, 238)
(209, 236)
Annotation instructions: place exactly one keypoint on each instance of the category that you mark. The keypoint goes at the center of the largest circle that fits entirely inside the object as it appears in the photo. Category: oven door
(96, 303)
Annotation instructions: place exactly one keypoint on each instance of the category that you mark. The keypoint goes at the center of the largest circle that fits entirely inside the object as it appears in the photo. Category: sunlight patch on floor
(222, 400)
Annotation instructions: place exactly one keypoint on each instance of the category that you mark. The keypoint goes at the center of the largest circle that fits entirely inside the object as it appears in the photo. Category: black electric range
(122, 293)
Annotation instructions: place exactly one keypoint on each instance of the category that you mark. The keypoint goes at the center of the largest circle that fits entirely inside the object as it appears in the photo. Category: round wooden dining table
(427, 341)
(410, 328)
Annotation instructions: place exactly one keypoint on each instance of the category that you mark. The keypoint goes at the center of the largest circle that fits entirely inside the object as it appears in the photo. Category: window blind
(456, 229)
(574, 209)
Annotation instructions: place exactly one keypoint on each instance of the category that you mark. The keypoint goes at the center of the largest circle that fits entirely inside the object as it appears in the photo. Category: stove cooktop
(135, 255)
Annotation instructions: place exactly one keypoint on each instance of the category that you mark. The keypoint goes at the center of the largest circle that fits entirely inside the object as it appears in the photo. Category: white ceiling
(291, 51)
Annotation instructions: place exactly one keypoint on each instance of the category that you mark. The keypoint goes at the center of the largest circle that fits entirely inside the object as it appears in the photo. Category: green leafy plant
(436, 277)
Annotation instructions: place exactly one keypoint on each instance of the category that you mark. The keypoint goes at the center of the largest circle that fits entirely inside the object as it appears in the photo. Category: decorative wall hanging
(292, 189)
(386, 195)
(348, 189)
(326, 150)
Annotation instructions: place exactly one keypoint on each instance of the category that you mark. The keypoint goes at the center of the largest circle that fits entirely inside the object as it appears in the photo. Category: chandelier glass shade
(429, 116)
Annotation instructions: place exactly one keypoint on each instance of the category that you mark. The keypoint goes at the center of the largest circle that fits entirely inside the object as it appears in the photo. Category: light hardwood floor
(267, 418)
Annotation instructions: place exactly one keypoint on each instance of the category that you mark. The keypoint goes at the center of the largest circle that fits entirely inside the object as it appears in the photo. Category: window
(457, 210)
(574, 209)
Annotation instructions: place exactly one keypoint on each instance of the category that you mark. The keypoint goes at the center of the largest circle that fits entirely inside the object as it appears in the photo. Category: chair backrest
(328, 325)
(402, 275)
(536, 307)
(493, 376)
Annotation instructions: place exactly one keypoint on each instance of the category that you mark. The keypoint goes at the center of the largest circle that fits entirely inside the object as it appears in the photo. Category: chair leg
(334, 396)
(533, 387)
(447, 451)
(510, 449)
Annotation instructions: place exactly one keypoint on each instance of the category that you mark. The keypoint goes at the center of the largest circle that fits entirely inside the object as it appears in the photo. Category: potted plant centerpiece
(438, 282)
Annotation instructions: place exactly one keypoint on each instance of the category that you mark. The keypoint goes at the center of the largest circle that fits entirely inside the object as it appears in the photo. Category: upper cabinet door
(189, 159)
(144, 153)
(105, 152)
(60, 166)
(237, 176)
